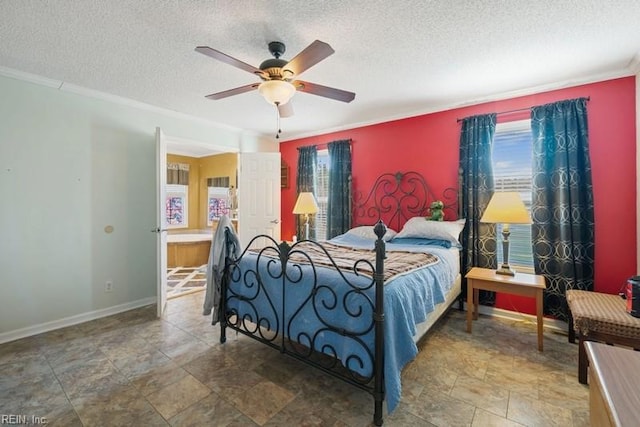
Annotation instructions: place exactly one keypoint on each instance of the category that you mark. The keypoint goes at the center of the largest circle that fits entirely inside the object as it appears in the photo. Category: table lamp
(305, 205)
(506, 207)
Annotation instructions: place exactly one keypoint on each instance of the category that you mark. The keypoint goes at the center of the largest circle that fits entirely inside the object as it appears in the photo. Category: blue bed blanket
(331, 311)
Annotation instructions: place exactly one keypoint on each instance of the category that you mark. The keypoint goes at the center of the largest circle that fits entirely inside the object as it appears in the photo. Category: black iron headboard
(396, 197)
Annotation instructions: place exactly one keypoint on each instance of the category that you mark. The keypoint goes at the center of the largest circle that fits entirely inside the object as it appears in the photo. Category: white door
(161, 229)
(258, 196)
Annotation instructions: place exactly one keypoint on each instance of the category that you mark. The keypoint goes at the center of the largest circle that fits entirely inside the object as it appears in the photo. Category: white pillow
(423, 228)
(367, 232)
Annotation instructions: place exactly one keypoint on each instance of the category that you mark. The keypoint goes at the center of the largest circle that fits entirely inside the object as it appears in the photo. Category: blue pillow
(421, 242)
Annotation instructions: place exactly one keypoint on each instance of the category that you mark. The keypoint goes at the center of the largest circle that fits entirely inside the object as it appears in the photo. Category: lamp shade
(506, 207)
(276, 92)
(306, 204)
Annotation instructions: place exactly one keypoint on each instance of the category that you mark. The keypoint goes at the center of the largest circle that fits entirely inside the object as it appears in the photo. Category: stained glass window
(218, 204)
(176, 206)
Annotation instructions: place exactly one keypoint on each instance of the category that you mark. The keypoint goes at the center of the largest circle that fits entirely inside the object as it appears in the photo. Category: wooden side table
(528, 285)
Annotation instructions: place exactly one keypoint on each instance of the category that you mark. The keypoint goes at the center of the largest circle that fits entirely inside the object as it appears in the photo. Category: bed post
(222, 313)
(378, 387)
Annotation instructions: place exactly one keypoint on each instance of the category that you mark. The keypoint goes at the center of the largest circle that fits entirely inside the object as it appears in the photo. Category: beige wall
(215, 166)
(199, 170)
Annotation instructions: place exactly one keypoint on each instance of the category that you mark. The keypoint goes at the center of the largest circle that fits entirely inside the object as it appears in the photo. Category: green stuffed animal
(436, 209)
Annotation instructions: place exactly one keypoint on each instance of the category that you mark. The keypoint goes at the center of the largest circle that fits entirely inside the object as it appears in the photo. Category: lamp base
(306, 226)
(506, 270)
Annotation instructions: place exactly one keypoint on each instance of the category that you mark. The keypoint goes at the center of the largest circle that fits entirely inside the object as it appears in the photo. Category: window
(512, 159)
(176, 205)
(221, 199)
(217, 204)
(322, 193)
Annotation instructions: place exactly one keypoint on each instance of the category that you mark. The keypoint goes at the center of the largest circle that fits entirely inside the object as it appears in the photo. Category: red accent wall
(429, 145)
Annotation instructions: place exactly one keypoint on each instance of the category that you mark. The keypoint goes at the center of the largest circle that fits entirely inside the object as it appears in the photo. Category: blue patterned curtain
(306, 182)
(476, 181)
(339, 205)
(562, 203)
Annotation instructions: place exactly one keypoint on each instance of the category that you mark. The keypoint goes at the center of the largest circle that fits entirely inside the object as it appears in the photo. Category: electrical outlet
(108, 286)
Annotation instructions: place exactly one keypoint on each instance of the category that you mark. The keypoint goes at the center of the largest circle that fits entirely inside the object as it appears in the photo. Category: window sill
(521, 269)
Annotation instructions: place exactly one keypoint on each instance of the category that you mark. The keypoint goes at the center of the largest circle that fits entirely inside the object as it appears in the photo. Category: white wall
(69, 166)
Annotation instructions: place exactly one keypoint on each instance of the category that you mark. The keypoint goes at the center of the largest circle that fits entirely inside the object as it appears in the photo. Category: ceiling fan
(278, 76)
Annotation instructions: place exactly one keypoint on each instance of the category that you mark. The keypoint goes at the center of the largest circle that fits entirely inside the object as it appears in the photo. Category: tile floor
(135, 370)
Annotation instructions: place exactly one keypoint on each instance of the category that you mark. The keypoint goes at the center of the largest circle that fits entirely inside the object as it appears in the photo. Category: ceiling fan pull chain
(278, 121)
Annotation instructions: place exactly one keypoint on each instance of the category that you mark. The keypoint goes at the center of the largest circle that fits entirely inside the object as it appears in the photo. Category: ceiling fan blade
(327, 92)
(286, 110)
(310, 56)
(231, 92)
(216, 54)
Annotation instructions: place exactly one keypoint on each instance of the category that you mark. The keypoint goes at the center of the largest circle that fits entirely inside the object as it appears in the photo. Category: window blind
(512, 158)
(177, 173)
(322, 193)
(218, 181)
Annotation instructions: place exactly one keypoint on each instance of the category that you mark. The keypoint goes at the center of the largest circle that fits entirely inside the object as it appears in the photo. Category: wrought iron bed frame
(393, 199)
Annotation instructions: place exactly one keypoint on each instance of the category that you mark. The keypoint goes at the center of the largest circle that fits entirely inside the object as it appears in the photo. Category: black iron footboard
(318, 312)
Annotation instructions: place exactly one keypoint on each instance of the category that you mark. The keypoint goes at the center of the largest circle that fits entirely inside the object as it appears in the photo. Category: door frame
(161, 230)
(162, 142)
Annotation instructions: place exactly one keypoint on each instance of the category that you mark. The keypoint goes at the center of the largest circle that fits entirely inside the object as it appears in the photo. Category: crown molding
(625, 72)
(31, 78)
(633, 68)
(96, 94)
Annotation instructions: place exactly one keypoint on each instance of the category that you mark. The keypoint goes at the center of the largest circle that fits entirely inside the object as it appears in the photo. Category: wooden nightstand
(528, 285)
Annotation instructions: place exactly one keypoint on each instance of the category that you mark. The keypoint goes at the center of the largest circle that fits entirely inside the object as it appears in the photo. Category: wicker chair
(600, 317)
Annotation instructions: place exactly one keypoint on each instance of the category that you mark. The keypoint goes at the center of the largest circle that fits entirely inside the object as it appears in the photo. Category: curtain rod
(324, 145)
(588, 98)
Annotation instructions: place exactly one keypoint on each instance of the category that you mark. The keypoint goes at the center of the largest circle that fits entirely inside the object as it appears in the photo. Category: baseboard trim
(552, 324)
(73, 320)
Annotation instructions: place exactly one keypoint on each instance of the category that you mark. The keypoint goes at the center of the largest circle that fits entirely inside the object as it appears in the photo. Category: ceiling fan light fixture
(276, 92)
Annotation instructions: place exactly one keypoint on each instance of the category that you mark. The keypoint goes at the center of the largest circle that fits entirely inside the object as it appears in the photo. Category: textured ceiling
(401, 58)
